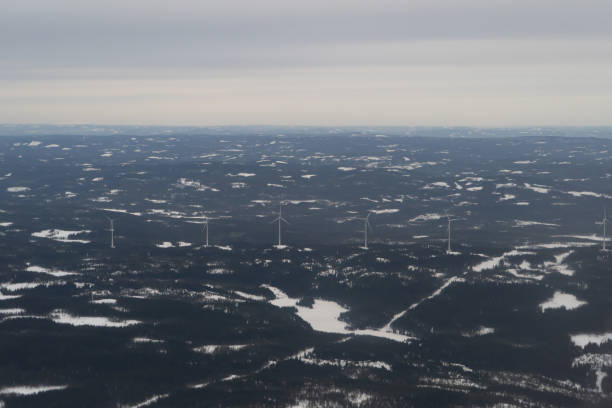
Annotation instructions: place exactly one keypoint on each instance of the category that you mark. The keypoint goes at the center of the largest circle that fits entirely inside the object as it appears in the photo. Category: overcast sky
(315, 62)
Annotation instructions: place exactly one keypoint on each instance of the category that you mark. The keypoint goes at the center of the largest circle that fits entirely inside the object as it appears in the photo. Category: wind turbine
(450, 220)
(112, 231)
(604, 223)
(280, 220)
(205, 226)
(366, 225)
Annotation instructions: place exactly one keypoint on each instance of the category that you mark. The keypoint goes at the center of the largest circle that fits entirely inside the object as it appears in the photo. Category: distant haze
(335, 62)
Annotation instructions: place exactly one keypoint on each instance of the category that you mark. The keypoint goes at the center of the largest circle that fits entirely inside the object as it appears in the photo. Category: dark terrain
(518, 313)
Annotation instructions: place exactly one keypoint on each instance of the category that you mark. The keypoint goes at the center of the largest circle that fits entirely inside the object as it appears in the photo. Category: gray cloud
(533, 50)
(162, 34)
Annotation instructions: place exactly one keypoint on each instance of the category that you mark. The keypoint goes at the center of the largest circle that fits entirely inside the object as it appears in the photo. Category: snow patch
(537, 188)
(62, 235)
(426, 217)
(61, 317)
(48, 271)
(387, 211)
(521, 223)
(583, 340)
(24, 390)
(148, 401)
(324, 316)
(17, 189)
(12, 311)
(562, 300)
(214, 348)
(249, 296)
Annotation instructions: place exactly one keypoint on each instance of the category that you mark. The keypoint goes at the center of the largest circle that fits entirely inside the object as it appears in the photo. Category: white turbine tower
(604, 223)
(112, 232)
(450, 220)
(366, 225)
(205, 227)
(280, 220)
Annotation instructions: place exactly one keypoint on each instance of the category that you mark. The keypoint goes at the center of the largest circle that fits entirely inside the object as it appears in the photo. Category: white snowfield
(537, 188)
(261, 202)
(12, 311)
(49, 271)
(213, 348)
(307, 357)
(62, 317)
(168, 244)
(24, 390)
(241, 175)
(155, 201)
(249, 296)
(597, 238)
(324, 316)
(62, 235)
(555, 245)
(562, 300)
(386, 211)
(106, 301)
(558, 265)
(493, 262)
(146, 340)
(426, 217)
(505, 185)
(148, 402)
(15, 286)
(17, 189)
(8, 297)
(121, 211)
(588, 194)
(480, 331)
(523, 223)
(196, 184)
(436, 184)
(507, 197)
(584, 339)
